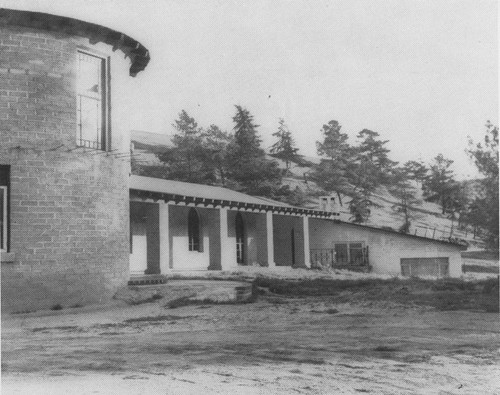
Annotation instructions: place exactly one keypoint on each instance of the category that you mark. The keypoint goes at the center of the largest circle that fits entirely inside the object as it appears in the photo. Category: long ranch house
(177, 226)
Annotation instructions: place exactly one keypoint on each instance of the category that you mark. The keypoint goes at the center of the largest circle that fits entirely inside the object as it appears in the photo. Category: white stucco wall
(181, 258)
(385, 248)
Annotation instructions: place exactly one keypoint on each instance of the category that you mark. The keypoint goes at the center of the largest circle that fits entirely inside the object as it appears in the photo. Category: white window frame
(3, 242)
(105, 139)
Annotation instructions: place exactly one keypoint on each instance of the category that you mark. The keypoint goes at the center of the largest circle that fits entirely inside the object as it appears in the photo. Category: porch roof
(198, 194)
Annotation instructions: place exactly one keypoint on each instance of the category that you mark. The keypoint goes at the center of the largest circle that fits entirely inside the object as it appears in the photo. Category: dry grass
(443, 294)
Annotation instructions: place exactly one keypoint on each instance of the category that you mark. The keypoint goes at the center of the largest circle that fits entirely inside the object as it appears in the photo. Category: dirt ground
(277, 345)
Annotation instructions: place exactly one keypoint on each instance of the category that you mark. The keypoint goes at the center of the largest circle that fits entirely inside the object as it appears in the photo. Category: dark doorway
(240, 239)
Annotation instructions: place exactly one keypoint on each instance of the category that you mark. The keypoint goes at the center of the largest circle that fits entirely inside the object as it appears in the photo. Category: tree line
(237, 161)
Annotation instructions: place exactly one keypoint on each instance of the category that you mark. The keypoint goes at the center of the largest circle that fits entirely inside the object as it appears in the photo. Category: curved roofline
(138, 54)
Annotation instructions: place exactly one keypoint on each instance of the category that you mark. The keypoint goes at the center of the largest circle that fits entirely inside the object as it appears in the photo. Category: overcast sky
(423, 74)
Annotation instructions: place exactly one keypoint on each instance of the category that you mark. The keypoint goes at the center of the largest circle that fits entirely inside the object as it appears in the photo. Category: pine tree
(249, 168)
(332, 172)
(373, 154)
(416, 170)
(440, 183)
(184, 160)
(215, 152)
(485, 207)
(370, 168)
(404, 192)
(284, 148)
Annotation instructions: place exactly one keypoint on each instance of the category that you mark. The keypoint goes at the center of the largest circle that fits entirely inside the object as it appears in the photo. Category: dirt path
(274, 346)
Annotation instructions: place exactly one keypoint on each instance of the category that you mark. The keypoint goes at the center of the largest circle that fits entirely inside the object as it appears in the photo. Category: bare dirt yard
(315, 336)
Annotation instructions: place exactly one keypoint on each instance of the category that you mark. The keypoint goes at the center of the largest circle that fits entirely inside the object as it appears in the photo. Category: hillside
(429, 221)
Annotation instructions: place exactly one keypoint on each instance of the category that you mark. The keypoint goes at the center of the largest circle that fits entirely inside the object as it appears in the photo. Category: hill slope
(428, 220)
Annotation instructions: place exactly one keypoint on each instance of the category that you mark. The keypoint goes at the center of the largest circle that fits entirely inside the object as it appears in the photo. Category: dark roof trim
(138, 54)
(453, 242)
(167, 197)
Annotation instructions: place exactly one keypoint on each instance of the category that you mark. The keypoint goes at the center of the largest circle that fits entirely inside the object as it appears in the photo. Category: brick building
(64, 206)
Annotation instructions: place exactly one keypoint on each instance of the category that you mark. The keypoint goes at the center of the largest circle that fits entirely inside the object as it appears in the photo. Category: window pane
(356, 252)
(3, 206)
(89, 75)
(341, 253)
(90, 101)
(90, 122)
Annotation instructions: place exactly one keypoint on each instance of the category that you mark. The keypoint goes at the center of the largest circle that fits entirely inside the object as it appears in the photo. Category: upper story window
(92, 101)
(4, 207)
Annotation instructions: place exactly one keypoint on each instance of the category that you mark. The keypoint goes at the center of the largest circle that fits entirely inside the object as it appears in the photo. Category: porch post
(270, 239)
(305, 223)
(164, 238)
(225, 250)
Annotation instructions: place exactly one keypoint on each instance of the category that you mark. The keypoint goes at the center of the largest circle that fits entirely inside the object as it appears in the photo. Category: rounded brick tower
(64, 198)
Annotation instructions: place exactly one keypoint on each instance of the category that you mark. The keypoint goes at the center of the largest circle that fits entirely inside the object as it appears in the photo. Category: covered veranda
(178, 226)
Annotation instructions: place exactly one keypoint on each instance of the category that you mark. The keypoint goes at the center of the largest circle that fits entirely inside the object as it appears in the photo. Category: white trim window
(92, 101)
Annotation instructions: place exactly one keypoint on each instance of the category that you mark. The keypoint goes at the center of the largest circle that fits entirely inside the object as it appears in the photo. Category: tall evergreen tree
(215, 152)
(331, 174)
(440, 184)
(485, 156)
(374, 155)
(249, 168)
(284, 148)
(370, 168)
(184, 161)
(416, 170)
(405, 193)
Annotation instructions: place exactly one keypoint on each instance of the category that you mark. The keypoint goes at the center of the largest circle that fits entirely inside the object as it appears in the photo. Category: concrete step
(147, 279)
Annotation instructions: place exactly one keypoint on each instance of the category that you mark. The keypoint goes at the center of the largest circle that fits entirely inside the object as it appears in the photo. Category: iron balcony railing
(328, 258)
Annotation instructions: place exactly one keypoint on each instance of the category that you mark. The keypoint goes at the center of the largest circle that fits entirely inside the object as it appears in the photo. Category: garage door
(437, 267)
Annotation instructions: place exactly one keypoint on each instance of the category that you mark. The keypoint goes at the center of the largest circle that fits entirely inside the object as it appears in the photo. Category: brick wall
(69, 206)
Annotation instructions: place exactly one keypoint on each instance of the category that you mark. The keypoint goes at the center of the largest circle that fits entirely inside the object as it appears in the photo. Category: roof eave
(138, 54)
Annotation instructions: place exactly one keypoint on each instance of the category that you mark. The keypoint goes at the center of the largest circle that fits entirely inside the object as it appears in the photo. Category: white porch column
(270, 239)
(164, 238)
(307, 259)
(226, 262)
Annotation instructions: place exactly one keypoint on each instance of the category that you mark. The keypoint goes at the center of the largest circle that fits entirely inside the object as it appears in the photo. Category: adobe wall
(385, 248)
(69, 207)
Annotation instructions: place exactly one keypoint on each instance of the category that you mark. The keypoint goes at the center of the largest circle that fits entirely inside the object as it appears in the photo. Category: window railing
(327, 258)
(93, 144)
